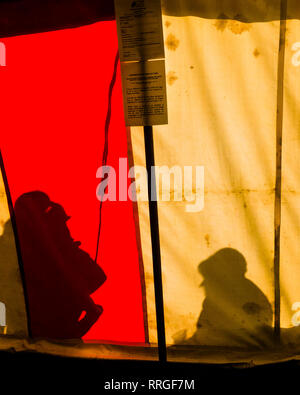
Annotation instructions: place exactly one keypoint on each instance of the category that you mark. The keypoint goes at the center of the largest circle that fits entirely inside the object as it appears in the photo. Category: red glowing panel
(54, 99)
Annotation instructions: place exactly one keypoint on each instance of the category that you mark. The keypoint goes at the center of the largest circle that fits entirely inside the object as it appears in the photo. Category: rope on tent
(105, 149)
(278, 182)
(17, 242)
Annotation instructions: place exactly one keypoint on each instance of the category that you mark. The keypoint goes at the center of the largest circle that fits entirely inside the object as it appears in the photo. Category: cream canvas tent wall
(230, 269)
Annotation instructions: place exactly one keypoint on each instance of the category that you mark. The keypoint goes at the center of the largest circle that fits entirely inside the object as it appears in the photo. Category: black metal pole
(154, 226)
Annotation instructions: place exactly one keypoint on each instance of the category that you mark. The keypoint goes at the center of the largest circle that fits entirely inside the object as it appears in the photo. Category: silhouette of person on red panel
(59, 275)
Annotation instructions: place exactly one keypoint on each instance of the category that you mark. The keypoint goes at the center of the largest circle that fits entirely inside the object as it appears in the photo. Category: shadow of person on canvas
(235, 312)
(59, 276)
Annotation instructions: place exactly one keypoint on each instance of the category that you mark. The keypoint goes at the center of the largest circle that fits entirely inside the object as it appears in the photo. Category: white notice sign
(144, 93)
(140, 33)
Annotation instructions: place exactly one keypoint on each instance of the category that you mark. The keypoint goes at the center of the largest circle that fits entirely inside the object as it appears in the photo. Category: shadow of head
(224, 263)
(37, 203)
(224, 267)
(36, 213)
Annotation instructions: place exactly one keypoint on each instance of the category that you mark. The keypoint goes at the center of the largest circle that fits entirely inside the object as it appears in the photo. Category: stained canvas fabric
(225, 67)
